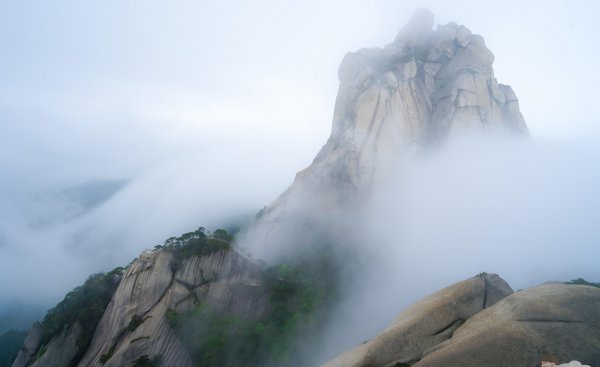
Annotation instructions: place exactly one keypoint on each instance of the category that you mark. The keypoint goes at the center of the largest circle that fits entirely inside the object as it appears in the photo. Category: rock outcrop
(394, 102)
(61, 350)
(30, 346)
(453, 328)
(134, 324)
(555, 321)
(427, 323)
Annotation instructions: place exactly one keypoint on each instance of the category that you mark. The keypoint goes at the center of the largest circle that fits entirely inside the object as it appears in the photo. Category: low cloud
(525, 209)
(51, 239)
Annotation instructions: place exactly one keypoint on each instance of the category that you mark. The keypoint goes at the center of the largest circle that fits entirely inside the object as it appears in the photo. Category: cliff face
(61, 350)
(134, 324)
(150, 287)
(30, 346)
(394, 102)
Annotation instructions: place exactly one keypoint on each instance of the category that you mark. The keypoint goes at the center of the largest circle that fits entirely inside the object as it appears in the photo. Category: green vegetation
(136, 320)
(105, 357)
(40, 353)
(10, 343)
(83, 305)
(86, 304)
(298, 292)
(144, 361)
(581, 281)
(295, 295)
(197, 243)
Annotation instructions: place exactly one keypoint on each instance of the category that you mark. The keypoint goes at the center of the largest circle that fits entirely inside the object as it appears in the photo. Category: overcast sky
(108, 88)
(209, 108)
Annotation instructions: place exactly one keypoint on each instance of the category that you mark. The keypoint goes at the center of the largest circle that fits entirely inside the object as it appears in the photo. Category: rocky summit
(393, 102)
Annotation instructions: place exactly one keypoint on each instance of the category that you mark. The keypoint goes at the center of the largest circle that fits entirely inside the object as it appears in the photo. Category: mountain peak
(393, 102)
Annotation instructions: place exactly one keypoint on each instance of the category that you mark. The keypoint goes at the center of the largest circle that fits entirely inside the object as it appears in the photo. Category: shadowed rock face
(452, 328)
(61, 350)
(392, 103)
(30, 346)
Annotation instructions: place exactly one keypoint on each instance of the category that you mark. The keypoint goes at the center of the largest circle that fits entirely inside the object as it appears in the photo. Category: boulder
(557, 320)
(480, 322)
(427, 323)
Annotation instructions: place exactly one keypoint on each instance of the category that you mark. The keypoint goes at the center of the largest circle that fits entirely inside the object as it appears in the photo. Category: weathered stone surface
(151, 286)
(463, 36)
(554, 320)
(61, 350)
(30, 346)
(427, 323)
(393, 103)
(408, 70)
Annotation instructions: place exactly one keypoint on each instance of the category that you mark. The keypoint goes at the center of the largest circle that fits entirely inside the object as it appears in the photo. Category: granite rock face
(59, 352)
(394, 102)
(151, 286)
(135, 325)
(61, 349)
(558, 321)
(427, 323)
(30, 346)
(452, 327)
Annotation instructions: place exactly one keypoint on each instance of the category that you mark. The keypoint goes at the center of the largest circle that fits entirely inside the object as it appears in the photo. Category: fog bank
(525, 209)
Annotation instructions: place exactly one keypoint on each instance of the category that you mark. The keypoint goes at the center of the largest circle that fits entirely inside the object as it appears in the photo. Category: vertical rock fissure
(485, 290)
(372, 122)
(162, 296)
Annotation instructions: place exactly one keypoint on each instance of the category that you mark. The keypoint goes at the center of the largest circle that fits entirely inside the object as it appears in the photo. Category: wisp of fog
(522, 208)
(53, 236)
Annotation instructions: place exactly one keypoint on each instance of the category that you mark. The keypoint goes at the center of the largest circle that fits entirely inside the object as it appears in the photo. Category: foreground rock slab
(427, 323)
(552, 321)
